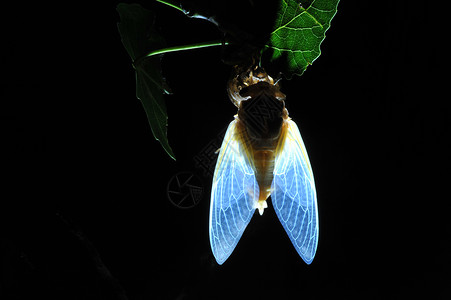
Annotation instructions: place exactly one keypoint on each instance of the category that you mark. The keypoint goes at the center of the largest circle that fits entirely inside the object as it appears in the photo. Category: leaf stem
(186, 47)
(188, 13)
(180, 48)
(172, 5)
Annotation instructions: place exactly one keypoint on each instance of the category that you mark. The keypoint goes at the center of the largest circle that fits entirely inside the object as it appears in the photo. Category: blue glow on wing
(233, 196)
(294, 195)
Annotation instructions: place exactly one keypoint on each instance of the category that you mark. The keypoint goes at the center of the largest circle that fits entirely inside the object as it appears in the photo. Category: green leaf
(298, 33)
(139, 37)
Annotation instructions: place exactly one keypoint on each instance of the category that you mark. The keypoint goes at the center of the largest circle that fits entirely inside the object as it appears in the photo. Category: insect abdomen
(264, 167)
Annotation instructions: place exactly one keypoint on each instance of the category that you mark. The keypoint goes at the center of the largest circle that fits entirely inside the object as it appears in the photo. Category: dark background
(85, 213)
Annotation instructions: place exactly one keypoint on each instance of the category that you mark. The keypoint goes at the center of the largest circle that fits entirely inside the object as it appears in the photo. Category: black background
(85, 212)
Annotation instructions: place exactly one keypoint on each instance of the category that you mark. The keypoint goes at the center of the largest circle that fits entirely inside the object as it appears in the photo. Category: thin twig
(101, 268)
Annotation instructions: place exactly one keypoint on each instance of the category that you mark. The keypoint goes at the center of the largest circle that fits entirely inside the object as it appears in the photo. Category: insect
(262, 154)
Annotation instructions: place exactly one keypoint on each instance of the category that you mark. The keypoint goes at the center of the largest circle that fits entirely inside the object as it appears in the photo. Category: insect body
(262, 154)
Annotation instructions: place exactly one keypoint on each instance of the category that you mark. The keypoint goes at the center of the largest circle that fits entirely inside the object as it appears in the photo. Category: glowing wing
(294, 195)
(234, 194)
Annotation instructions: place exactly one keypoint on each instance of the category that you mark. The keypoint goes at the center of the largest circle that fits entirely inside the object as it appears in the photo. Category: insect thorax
(261, 106)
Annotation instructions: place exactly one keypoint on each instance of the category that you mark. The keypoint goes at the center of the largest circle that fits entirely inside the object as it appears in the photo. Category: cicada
(262, 155)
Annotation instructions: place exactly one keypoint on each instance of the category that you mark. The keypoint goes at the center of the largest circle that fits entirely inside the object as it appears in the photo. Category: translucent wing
(294, 195)
(233, 196)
